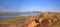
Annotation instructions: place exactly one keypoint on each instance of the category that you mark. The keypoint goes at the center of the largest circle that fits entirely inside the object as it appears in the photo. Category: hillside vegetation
(50, 15)
(18, 20)
(46, 19)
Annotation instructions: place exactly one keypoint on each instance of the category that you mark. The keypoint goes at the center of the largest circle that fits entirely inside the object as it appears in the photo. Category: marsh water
(24, 14)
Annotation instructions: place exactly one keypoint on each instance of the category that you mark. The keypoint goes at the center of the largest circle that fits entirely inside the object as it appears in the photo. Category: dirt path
(32, 24)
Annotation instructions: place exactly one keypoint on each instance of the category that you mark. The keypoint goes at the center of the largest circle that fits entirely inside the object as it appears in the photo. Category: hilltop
(46, 19)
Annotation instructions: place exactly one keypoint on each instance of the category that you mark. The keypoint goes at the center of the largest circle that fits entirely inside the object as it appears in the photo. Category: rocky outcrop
(45, 19)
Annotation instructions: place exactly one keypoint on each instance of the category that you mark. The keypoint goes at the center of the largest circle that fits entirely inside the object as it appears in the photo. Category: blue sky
(29, 5)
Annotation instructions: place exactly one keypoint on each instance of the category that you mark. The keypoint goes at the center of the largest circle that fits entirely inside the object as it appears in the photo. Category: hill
(46, 19)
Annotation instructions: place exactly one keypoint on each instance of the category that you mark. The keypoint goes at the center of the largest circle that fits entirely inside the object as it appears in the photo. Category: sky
(29, 5)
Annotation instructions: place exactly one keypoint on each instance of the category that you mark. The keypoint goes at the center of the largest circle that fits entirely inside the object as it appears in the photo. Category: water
(29, 14)
(7, 17)
(24, 14)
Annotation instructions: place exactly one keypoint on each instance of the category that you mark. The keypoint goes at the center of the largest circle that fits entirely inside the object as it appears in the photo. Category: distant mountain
(36, 11)
(33, 12)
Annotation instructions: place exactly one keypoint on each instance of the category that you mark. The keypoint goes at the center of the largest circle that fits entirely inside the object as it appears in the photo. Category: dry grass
(48, 16)
(51, 15)
(15, 21)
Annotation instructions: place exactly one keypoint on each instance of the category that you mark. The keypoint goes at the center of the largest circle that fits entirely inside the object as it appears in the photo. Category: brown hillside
(45, 19)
